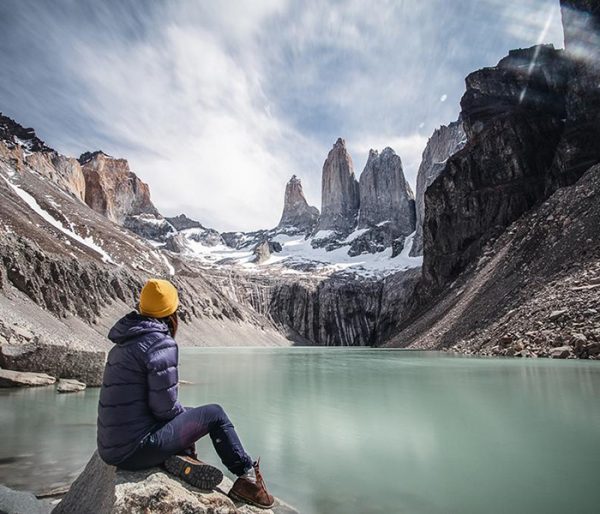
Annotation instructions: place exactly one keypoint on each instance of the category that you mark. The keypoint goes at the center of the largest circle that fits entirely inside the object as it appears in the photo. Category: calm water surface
(363, 431)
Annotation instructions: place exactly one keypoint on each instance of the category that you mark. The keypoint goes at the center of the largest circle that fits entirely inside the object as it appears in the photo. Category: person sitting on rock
(140, 421)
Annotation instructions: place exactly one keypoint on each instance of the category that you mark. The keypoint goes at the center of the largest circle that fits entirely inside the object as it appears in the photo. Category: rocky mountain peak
(88, 156)
(297, 214)
(14, 134)
(385, 195)
(340, 196)
(112, 189)
(182, 222)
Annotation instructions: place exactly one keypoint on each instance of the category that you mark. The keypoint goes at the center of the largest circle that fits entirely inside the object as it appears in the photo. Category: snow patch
(323, 234)
(167, 263)
(354, 235)
(35, 206)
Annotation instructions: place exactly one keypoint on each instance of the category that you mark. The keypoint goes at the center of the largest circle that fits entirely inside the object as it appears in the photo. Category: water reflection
(350, 430)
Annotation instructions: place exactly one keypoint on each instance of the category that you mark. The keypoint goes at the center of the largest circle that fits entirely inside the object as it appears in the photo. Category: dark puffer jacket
(139, 389)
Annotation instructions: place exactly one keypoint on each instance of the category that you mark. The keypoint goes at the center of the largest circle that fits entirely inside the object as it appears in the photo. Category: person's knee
(217, 413)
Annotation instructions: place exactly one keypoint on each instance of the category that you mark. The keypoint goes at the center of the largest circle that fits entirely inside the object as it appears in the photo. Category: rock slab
(9, 378)
(69, 386)
(102, 489)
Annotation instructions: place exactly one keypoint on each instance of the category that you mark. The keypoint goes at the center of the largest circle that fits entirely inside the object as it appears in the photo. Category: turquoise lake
(345, 430)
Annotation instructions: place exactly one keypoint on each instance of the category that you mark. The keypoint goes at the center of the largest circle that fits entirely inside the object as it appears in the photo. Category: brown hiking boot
(194, 471)
(253, 493)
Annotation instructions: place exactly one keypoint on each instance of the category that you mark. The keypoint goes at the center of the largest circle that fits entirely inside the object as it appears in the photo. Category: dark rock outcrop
(103, 489)
(297, 215)
(445, 141)
(579, 148)
(14, 134)
(340, 194)
(182, 222)
(533, 126)
(513, 116)
(385, 195)
(112, 189)
(341, 310)
(149, 226)
(534, 290)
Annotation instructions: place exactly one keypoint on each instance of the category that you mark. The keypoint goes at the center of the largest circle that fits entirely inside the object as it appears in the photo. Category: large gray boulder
(297, 214)
(445, 141)
(102, 489)
(340, 195)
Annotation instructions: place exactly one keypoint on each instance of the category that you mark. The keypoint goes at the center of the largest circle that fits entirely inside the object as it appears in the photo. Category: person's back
(125, 414)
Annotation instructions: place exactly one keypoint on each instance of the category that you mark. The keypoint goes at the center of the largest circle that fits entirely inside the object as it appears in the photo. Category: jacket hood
(134, 325)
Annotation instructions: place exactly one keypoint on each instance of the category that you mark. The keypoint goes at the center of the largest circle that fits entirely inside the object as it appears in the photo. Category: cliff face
(340, 196)
(579, 148)
(297, 214)
(513, 117)
(385, 195)
(533, 291)
(511, 251)
(113, 190)
(445, 141)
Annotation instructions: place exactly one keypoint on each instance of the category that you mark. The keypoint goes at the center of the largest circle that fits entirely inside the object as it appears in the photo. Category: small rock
(562, 352)
(69, 386)
(22, 332)
(9, 378)
(554, 315)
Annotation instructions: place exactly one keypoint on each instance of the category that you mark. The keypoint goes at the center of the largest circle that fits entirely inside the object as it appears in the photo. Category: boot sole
(198, 474)
(237, 497)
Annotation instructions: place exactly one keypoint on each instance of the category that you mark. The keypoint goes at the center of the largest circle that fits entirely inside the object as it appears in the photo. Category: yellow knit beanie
(158, 299)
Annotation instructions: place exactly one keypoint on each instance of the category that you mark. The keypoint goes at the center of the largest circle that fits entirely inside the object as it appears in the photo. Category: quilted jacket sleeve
(163, 380)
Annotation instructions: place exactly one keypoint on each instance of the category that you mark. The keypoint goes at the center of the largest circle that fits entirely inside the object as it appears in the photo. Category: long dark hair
(172, 322)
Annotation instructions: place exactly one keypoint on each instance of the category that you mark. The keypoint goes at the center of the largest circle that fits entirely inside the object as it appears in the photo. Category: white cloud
(195, 124)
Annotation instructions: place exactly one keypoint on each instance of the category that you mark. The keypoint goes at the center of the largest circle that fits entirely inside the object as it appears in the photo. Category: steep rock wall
(445, 141)
(112, 189)
(340, 195)
(385, 195)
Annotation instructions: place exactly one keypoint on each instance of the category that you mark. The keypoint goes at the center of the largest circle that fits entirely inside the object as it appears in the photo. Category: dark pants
(179, 434)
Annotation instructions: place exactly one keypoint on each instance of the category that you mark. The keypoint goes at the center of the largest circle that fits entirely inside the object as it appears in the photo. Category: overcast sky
(217, 104)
